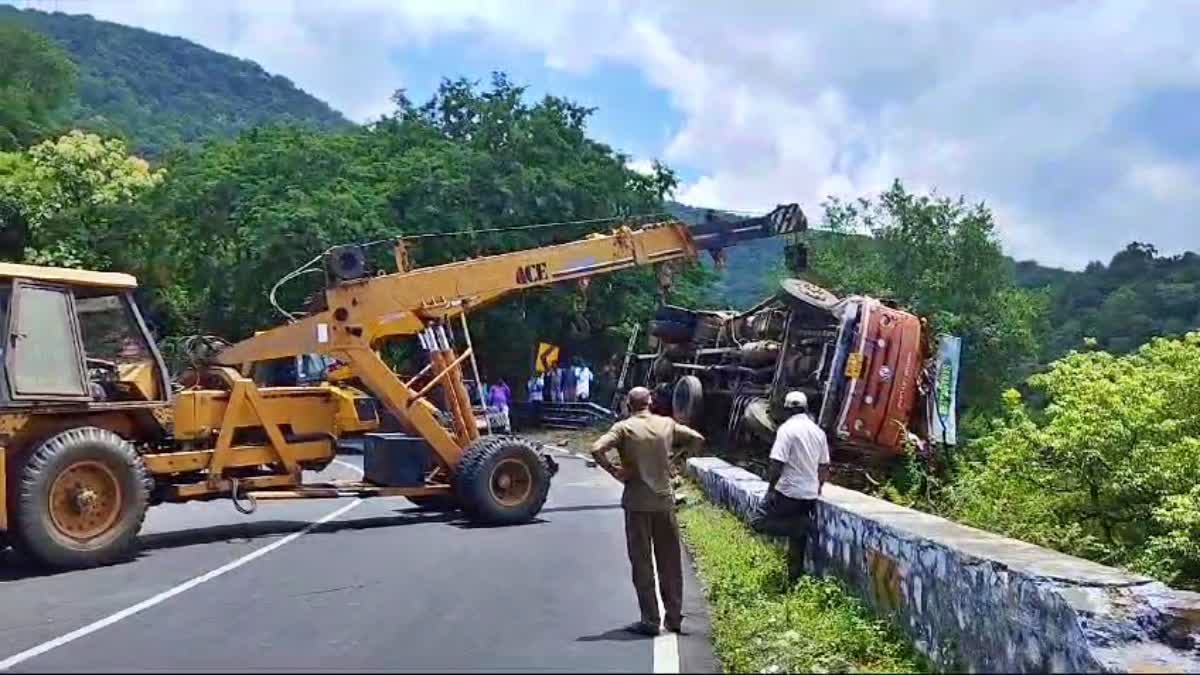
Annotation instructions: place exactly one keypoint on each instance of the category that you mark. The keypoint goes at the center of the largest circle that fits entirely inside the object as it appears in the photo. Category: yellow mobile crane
(92, 433)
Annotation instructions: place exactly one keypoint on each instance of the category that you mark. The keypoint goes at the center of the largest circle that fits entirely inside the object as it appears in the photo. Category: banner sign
(943, 424)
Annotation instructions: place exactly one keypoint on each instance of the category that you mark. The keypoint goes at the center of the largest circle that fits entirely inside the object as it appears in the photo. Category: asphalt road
(353, 585)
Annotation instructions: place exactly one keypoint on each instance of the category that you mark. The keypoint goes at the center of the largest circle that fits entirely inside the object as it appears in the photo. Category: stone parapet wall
(976, 601)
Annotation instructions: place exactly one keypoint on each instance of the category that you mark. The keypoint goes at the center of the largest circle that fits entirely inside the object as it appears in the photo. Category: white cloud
(1023, 104)
(642, 166)
(1166, 181)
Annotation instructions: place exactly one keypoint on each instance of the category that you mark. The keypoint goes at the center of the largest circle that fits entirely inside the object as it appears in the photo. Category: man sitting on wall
(799, 469)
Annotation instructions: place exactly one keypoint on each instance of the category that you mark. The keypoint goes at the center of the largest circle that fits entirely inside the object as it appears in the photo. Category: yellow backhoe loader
(93, 429)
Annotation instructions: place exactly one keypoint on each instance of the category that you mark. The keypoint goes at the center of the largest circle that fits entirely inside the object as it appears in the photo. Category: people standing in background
(535, 397)
(499, 397)
(568, 384)
(556, 384)
(605, 385)
(583, 381)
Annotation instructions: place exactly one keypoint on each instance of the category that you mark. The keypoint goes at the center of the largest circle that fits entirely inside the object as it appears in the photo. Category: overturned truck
(876, 380)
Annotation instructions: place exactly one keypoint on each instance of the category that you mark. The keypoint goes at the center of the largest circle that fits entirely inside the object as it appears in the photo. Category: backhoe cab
(91, 435)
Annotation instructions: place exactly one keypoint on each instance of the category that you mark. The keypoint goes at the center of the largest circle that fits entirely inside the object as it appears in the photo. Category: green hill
(160, 91)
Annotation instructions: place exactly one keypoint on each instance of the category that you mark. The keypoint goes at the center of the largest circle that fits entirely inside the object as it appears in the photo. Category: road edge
(696, 651)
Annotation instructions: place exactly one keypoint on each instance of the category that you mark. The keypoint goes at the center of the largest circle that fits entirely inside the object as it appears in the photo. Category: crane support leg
(454, 384)
(443, 373)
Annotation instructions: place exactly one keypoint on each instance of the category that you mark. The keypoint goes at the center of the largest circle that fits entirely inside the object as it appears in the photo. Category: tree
(1106, 468)
(941, 259)
(53, 198)
(36, 77)
(233, 217)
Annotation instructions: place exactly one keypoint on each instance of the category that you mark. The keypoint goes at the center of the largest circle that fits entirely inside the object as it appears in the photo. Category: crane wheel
(81, 501)
(502, 481)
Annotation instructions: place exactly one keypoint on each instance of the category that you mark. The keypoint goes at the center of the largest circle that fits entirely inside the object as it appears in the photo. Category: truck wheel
(502, 481)
(687, 401)
(82, 499)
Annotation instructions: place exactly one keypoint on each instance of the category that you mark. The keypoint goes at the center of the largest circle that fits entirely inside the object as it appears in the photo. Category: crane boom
(362, 310)
(405, 302)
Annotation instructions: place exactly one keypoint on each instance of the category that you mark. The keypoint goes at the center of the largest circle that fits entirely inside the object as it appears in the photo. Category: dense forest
(159, 92)
(1122, 304)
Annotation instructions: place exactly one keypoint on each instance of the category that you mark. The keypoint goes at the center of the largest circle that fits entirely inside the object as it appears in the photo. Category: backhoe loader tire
(81, 500)
(501, 480)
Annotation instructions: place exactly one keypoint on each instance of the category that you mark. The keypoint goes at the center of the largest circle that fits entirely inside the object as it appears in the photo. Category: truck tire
(81, 500)
(687, 400)
(671, 331)
(502, 481)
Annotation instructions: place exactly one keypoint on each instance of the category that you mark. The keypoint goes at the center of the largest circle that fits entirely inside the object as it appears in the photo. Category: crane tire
(501, 480)
(81, 500)
(687, 400)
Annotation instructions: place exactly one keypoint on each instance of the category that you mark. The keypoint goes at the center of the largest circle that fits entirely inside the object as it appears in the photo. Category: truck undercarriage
(869, 372)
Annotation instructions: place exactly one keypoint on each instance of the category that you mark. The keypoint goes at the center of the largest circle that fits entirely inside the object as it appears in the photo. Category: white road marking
(107, 621)
(355, 467)
(666, 644)
(666, 653)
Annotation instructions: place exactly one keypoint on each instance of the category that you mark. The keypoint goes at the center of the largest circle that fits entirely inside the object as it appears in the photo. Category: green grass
(762, 625)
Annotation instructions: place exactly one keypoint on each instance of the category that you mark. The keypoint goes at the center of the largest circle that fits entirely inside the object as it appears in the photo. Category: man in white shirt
(799, 469)
(583, 381)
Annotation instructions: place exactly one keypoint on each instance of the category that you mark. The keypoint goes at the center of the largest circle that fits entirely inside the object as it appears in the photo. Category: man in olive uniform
(644, 442)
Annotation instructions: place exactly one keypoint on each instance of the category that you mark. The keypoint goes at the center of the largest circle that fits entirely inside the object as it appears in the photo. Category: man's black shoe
(677, 629)
(643, 628)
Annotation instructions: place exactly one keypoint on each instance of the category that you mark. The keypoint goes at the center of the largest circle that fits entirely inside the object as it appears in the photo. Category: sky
(1077, 122)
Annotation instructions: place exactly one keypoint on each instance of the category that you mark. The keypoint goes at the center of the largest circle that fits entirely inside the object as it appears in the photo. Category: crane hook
(237, 504)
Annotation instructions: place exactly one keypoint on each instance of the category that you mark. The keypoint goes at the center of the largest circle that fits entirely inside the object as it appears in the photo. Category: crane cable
(307, 267)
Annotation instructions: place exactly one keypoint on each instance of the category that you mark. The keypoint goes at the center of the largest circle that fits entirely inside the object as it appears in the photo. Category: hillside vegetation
(210, 231)
(159, 91)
